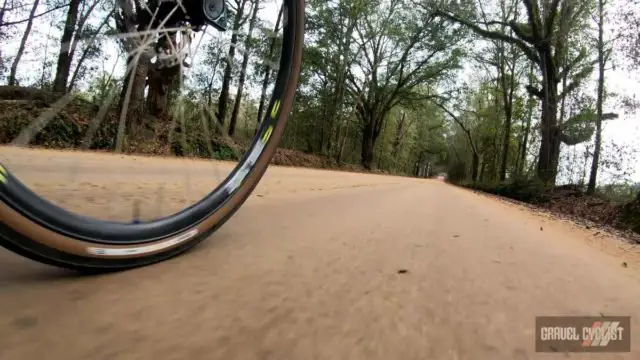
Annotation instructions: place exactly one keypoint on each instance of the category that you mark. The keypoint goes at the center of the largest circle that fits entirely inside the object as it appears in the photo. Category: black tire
(38, 229)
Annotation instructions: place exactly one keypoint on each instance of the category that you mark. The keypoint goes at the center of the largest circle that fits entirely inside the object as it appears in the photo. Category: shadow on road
(18, 271)
(14, 270)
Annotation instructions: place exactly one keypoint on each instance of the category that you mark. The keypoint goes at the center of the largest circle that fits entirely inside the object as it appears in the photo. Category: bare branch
(460, 123)
(34, 16)
(530, 53)
(534, 91)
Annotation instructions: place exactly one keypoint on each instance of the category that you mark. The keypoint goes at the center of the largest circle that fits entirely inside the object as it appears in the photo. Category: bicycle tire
(37, 229)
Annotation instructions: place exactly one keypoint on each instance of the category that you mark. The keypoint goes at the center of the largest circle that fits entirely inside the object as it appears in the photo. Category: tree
(521, 160)
(226, 80)
(402, 53)
(91, 50)
(543, 39)
(460, 120)
(243, 72)
(138, 61)
(628, 23)
(604, 50)
(505, 58)
(267, 69)
(71, 35)
(206, 78)
(508, 58)
(23, 44)
(163, 80)
(65, 56)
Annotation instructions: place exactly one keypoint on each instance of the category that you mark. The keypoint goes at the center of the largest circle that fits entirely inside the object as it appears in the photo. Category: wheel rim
(29, 204)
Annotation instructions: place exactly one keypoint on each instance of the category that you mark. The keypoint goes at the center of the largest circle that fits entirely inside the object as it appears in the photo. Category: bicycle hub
(197, 13)
(213, 12)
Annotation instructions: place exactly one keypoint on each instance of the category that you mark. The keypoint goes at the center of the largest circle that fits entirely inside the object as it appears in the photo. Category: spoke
(146, 42)
(94, 125)
(123, 112)
(196, 117)
(195, 52)
(135, 34)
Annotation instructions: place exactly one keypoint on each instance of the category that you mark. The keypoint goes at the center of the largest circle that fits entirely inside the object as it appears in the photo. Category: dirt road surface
(316, 265)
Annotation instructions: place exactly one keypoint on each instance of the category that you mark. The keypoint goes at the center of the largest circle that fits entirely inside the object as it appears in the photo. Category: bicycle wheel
(36, 227)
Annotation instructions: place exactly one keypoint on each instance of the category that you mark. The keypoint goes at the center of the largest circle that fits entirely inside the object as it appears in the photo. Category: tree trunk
(475, 160)
(505, 145)
(226, 80)
(23, 43)
(376, 133)
(132, 99)
(160, 81)
(64, 57)
(340, 87)
(368, 144)
(507, 97)
(323, 115)
(495, 156)
(267, 71)
(343, 142)
(43, 73)
(85, 53)
(210, 80)
(550, 133)
(525, 138)
(243, 73)
(591, 187)
(395, 146)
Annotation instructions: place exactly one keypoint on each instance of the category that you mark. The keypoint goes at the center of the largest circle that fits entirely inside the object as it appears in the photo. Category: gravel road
(316, 265)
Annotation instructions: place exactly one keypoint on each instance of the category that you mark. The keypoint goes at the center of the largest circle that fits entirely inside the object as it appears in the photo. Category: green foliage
(103, 86)
(619, 193)
(580, 127)
(225, 153)
(630, 215)
(529, 191)
(64, 131)
(371, 64)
